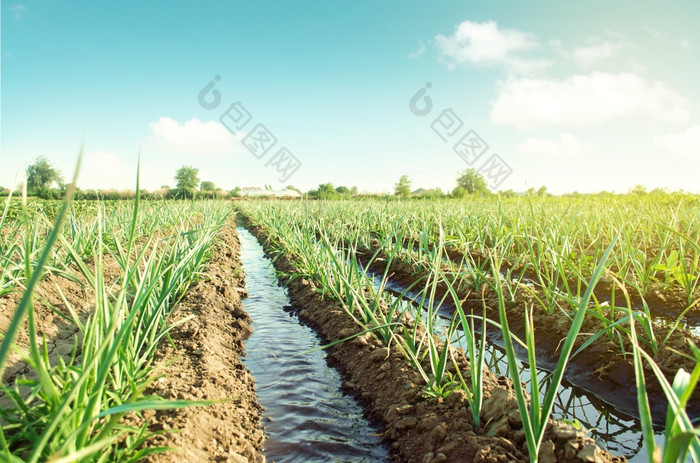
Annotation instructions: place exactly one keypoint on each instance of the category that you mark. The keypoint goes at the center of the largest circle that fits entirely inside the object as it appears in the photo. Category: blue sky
(579, 96)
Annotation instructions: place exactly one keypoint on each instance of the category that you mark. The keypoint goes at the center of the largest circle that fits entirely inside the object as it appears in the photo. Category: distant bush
(48, 193)
(433, 193)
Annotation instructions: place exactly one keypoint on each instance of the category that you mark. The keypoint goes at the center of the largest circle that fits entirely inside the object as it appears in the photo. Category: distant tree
(236, 192)
(459, 193)
(42, 174)
(207, 189)
(508, 193)
(542, 191)
(187, 178)
(638, 190)
(472, 182)
(433, 193)
(165, 187)
(403, 187)
(327, 191)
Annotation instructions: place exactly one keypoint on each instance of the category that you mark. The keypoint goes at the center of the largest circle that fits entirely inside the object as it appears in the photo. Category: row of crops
(71, 408)
(553, 245)
(556, 241)
(591, 273)
(587, 271)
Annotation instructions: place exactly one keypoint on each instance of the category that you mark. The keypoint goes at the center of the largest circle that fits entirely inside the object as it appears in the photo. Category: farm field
(528, 263)
(109, 356)
(349, 232)
(548, 329)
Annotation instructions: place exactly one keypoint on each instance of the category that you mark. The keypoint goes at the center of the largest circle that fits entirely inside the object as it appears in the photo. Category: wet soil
(601, 369)
(418, 428)
(306, 414)
(612, 429)
(669, 303)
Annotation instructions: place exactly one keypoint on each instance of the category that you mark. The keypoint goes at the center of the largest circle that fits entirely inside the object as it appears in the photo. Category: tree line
(45, 181)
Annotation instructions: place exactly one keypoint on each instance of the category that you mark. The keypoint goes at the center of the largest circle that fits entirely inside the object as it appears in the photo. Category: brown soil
(601, 368)
(51, 316)
(420, 429)
(662, 302)
(206, 365)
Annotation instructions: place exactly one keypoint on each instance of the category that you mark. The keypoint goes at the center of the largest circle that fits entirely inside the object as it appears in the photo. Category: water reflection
(307, 417)
(615, 431)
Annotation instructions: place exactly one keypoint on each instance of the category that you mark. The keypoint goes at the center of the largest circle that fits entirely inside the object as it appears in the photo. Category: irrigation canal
(306, 416)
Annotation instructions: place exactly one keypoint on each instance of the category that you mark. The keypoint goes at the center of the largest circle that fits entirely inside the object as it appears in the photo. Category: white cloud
(657, 34)
(418, 53)
(487, 45)
(566, 146)
(685, 43)
(584, 100)
(193, 137)
(685, 143)
(19, 10)
(102, 170)
(595, 51)
(665, 36)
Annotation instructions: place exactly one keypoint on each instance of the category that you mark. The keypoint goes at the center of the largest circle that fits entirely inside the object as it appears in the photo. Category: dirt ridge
(420, 429)
(600, 369)
(206, 365)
